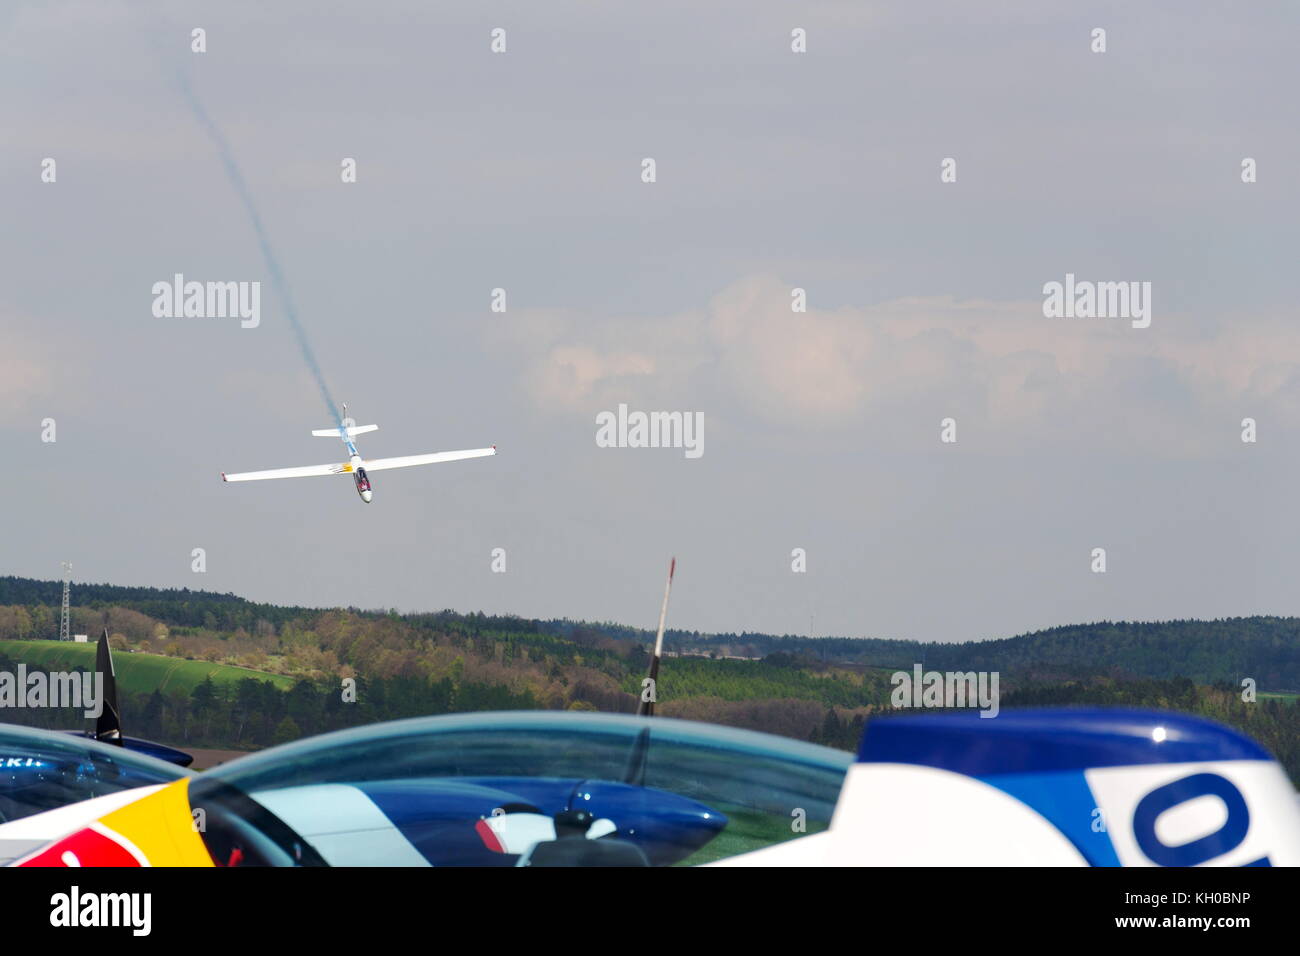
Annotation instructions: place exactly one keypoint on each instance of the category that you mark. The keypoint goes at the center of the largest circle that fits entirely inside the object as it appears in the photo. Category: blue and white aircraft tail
(108, 726)
(1068, 787)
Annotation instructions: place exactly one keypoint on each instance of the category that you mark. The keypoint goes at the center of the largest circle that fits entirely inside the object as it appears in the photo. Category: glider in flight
(356, 466)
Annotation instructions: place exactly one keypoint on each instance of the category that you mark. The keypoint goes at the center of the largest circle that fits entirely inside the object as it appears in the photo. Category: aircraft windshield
(532, 788)
(43, 770)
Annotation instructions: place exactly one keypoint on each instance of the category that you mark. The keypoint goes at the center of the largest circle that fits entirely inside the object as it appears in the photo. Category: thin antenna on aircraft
(647, 707)
(636, 763)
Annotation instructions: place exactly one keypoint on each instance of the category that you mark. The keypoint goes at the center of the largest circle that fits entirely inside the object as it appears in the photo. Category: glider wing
(305, 472)
(380, 464)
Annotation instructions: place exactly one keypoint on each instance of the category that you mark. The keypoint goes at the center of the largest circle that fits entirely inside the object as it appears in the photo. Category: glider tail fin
(352, 430)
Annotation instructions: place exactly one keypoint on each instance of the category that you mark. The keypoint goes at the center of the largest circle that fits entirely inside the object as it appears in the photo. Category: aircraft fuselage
(359, 476)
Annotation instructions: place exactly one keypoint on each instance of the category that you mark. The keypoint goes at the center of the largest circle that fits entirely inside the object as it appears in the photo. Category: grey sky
(775, 170)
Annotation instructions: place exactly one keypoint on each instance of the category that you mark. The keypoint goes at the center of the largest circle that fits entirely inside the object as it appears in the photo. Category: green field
(136, 673)
(747, 829)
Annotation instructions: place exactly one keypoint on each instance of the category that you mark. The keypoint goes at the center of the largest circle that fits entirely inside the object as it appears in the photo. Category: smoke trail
(268, 253)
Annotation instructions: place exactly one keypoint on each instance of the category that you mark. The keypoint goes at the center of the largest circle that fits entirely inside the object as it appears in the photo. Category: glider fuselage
(358, 468)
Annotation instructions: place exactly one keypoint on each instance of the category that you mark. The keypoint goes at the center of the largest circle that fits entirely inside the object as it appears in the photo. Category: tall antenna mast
(67, 590)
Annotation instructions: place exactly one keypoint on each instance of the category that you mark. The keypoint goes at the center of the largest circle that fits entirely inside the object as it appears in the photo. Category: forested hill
(1266, 649)
(409, 665)
(177, 606)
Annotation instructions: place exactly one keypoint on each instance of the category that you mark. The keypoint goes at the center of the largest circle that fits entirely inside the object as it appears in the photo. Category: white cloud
(27, 379)
(999, 363)
(570, 373)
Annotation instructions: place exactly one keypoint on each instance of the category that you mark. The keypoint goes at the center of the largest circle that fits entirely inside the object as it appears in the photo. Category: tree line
(825, 690)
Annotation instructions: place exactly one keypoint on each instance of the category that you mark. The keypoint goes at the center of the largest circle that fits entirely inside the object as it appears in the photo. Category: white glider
(356, 466)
